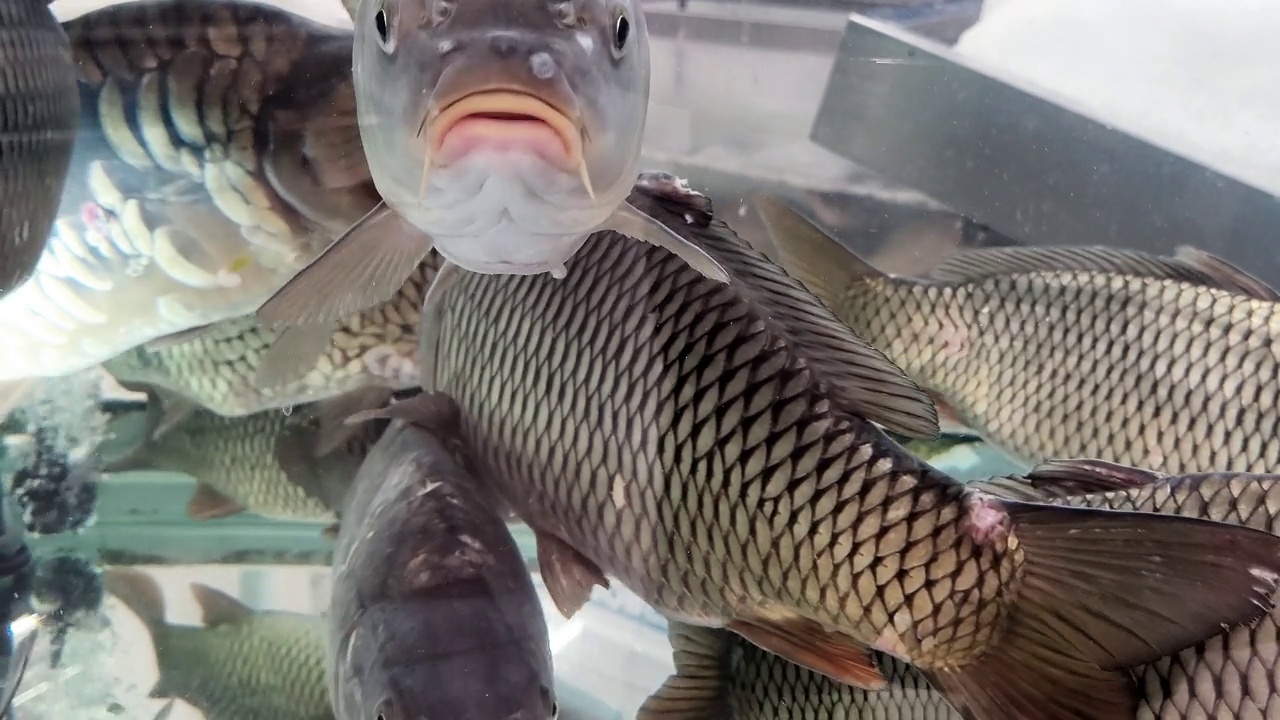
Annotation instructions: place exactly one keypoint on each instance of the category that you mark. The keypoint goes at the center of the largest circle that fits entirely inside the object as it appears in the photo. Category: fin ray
(365, 266)
(567, 574)
(696, 691)
(633, 222)
(806, 644)
(292, 354)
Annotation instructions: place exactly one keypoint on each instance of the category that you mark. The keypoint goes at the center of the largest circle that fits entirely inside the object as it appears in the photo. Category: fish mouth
(505, 119)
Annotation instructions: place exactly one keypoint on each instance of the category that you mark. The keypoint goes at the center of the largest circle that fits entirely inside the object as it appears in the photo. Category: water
(743, 101)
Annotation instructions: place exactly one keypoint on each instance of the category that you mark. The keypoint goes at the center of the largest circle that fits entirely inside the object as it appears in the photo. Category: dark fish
(433, 612)
(1233, 675)
(1168, 363)
(269, 463)
(218, 153)
(38, 116)
(242, 664)
(712, 447)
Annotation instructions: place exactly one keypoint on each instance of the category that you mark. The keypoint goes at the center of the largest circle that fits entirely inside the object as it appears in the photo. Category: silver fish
(500, 132)
(1167, 363)
(711, 447)
(38, 124)
(1233, 675)
(241, 664)
(433, 613)
(219, 152)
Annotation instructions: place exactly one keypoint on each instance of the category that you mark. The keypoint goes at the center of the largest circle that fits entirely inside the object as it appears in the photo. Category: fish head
(507, 130)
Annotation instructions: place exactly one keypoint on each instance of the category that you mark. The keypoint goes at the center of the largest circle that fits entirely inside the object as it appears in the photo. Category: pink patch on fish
(94, 217)
(477, 132)
(985, 521)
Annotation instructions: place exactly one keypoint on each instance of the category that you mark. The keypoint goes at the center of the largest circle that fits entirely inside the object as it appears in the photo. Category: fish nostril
(543, 66)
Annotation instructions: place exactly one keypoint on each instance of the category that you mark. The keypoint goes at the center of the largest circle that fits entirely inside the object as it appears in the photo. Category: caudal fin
(1103, 591)
(697, 689)
(140, 593)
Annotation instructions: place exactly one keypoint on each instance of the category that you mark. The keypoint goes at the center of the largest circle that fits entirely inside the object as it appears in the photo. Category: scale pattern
(1153, 373)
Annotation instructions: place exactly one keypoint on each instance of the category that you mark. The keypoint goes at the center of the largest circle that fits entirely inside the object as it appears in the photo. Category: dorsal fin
(858, 376)
(218, 608)
(809, 254)
(1188, 265)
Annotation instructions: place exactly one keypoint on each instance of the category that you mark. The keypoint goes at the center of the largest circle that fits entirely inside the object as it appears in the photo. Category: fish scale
(37, 132)
(740, 484)
(218, 369)
(1169, 363)
(1235, 674)
(219, 153)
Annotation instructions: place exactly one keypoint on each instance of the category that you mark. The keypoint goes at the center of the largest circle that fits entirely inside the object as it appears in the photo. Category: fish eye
(384, 711)
(621, 32)
(382, 24)
(555, 710)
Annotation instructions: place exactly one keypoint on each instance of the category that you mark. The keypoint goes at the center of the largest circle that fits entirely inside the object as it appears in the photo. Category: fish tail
(696, 691)
(1102, 591)
(140, 593)
(810, 255)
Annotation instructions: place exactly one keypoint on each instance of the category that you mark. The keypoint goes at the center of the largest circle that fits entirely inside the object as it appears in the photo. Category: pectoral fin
(292, 354)
(209, 504)
(567, 573)
(805, 643)
(366, 266)
(631, 221)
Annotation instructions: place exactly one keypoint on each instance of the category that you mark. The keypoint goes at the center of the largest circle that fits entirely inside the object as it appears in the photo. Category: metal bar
(1029, 167)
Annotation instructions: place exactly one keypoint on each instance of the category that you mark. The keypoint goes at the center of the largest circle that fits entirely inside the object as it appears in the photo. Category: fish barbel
(720, 676)
(1166, 363)
(500, 132)
(711, 446)
(218, 152)
(37, 132)
(433, 612)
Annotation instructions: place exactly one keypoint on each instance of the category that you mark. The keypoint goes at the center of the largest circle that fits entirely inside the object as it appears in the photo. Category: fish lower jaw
(511, 253)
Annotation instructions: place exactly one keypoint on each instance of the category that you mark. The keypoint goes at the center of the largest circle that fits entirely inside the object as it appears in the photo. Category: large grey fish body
(1168, 363)
(433, 613)
(218, 153)
(37, 132)
(228, 369)
(501, 133)
(709, 446)
(1234, 675)
(242, 664)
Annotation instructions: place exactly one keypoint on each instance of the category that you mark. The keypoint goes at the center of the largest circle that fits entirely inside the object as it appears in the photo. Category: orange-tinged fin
(208, 504)
(364, 267)
(139, 592)
(806, 644)
(1188, 266)
(634, 222)
(217, 607)
(292, 354)
(1103, 591)
(696, 691)
(567, 574)
(1226, 275)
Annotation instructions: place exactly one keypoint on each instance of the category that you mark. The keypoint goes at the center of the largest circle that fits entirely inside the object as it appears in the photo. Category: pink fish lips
(504, 121)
